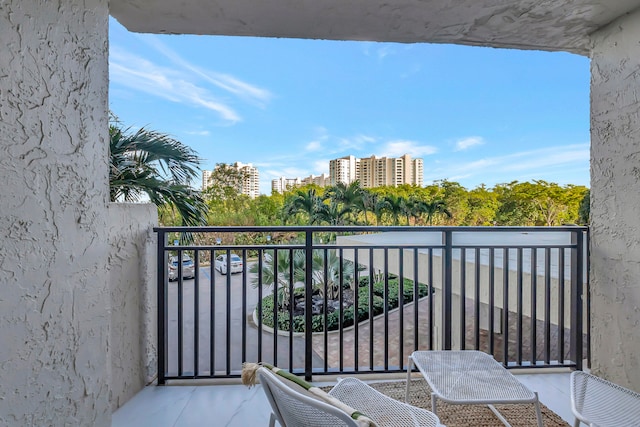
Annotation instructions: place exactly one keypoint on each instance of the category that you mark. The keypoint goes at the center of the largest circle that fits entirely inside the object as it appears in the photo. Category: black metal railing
(329, 300)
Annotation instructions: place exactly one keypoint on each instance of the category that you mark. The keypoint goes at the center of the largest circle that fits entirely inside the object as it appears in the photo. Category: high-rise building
(320, 180)
(206, 179)
(282, 184)
(377, 171)
(344, 169)
(248, 184)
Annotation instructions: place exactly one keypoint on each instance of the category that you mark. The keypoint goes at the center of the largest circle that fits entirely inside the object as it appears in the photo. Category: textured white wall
(54, 320)
(132, 273)
(615, 201)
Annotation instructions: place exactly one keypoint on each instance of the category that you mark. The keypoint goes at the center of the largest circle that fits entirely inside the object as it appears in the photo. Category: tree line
(537, 203)
(149, 163)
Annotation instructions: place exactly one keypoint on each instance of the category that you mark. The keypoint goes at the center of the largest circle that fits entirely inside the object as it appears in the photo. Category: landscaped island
(330, 300)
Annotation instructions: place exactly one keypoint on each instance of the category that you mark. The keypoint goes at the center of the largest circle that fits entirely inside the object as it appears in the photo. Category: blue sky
(475, 115)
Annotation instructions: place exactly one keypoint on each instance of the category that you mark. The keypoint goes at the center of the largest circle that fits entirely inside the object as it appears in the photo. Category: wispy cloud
(399, 148)
(226, 82)
(199, 132)
(357, 142)
(516, 166)
(287, 172)
(321, 166)
(139, 74)
(314, 146)
(378, 50)
(466, 143)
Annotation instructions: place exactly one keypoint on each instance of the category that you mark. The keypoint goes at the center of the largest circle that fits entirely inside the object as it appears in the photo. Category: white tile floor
(237, 406)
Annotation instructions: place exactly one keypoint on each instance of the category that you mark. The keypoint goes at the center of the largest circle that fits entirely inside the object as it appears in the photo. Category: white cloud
(399, 148)
(314, 146)
(524, 165)
(466, 143)
(142, 75)
(354, 143)
(377, 49)
(321, 166)
(224, 81)
(199, 132)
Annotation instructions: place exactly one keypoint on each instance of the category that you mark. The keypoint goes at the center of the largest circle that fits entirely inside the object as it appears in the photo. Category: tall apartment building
(249, 184)
(321, 180)
(283, 184)
(377, 171)
(207, 179)
(344, 169)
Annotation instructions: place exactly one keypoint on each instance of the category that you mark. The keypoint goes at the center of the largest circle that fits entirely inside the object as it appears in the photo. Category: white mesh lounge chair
(293, 406)
(601, 403)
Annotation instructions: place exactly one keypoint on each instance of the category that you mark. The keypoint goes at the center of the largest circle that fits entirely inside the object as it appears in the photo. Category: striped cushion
(319, 394)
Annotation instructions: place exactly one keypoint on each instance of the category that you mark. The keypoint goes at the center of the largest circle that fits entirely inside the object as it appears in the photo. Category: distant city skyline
(370, 171)
(475, 115)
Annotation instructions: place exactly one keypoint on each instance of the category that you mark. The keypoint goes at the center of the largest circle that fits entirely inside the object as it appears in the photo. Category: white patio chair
(601, 403)
(293, 406)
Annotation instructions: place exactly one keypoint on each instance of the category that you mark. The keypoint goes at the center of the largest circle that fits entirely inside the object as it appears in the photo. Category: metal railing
(361, 299)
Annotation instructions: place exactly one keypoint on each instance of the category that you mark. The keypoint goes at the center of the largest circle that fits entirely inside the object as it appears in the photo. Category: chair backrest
(293, 406)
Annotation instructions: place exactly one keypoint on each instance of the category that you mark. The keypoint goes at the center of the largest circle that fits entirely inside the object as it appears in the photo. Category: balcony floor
(237, 406)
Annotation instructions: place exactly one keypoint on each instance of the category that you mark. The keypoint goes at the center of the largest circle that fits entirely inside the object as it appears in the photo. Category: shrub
(333, 318)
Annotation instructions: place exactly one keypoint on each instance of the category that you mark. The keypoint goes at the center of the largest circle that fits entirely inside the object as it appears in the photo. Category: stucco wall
(54, 320)
(615, 201)
(132, 273)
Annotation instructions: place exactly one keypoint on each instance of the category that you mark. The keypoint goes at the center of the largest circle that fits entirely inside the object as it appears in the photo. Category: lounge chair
(296, 403)
(601, 403)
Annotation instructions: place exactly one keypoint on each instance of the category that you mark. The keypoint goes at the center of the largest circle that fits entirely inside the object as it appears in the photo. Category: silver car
(236, 264)
(188, 267)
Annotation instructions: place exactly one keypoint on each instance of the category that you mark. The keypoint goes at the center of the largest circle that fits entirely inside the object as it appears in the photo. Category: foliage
(226, 182)
(442, 203)
(146, 162)
(333, 319)
(584, 209)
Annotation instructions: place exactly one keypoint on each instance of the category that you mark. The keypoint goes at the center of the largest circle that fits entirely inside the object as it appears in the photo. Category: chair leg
(576, 423)
(272, 420)
(433, 403)
(406, 391)
(538, 412)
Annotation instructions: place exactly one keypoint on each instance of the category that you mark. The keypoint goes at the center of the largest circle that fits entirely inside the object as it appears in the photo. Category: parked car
(236, 264)
(188, 268)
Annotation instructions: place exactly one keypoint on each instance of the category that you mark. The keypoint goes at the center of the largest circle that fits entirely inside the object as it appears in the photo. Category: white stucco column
(54, 297)
(615, 201)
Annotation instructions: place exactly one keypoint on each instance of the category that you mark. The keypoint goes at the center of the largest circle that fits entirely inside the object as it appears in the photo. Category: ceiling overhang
(562, 25)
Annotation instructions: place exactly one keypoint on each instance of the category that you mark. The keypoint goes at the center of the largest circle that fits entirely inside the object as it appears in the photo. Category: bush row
(365, 309)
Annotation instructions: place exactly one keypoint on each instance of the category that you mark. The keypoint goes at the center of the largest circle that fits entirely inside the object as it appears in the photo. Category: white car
(188, 268)
(221, 264)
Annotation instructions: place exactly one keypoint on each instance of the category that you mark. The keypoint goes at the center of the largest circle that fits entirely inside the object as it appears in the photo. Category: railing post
(308, 319)
(577, 278)
(447, 296)
(161, 266)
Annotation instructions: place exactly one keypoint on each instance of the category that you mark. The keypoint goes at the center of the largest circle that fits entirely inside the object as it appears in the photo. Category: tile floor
(237, 406)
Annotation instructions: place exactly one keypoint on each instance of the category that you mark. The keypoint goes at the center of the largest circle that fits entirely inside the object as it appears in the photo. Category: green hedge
(333, 319)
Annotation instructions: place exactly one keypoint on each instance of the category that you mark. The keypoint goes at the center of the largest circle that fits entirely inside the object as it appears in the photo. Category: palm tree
(276, 273)
(332, 279)
(349, 196)
(396, 206)
(332, 213)
(435, 207)
(381, 206)
(369, 201)
(150, 163)
(303, 202)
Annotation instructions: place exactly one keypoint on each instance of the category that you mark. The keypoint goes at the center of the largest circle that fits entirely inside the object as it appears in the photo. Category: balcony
(237, 406)
(515, 293)
(519, 294)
